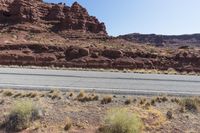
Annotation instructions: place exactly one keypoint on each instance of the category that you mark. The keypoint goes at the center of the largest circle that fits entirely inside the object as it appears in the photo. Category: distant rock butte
(164, 40)
(59, 16)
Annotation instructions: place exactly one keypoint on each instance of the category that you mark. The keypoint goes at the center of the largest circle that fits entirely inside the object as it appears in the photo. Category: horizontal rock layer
(75, 56)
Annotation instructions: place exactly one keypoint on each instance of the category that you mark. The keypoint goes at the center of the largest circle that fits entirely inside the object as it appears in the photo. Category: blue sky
(144, 16)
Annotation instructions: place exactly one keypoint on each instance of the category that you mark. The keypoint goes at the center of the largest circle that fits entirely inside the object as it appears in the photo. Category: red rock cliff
(59, 16)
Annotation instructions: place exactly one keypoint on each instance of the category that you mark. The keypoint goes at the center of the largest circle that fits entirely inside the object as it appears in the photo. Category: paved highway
(105, 82)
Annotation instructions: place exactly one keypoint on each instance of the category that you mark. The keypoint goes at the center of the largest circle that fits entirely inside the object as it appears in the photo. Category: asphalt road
(105, 82)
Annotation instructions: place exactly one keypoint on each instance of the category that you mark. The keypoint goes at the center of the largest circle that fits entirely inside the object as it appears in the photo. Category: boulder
(112, 54)
(75, 52)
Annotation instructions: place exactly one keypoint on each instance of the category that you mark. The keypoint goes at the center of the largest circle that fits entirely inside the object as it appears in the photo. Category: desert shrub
(147, 105)
(106, 100)
(71, 94)
(95, 98)
(127, 102)
(17, 95)
(153, 102)
(158, 100)
(169, 115)
(2, 101)
(134, 100)
(191, 104)
(54, 94)
(142, 101)
(121, 121)
(81, 94)
(31, 95)
(164, 99)
(175, 100)
(68, 124)
(22, 113)
(87, 98)
(8, 93)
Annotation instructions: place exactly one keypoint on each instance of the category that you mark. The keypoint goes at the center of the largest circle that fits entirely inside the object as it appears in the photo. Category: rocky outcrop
(42, 34)
(164, 40)
(59, 16)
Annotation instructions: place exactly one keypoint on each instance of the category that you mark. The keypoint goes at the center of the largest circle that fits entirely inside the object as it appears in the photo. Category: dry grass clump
(8, 93)
(121, 121)
(142, 101)
(81, 94)
(1, 91)
(21, 115)
(17, 95)
(127, 102)
(71, 94)
(164, 99)
(31, 95)
(153, 102)
(169, 115)
(147, 105)
(161, 99)
(83, 97)
(106, 100)
(191, 104)
(2, 101)
(68, 124)
(175, 100)
(54, 94)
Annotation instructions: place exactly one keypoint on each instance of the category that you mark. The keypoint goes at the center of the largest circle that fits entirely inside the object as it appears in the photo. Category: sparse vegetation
(17, 95)
(191, 104)
(164, 99)
(106, 100)
(169, 115)
(83, 97)
(31, 95)
(8, 93)
(128, 101)
(87, 114)
(147, 105)
(21, 115)
(54, 94)
(121, 121)
(142, 101)
(68, 124)
(175, 100)
(81, 94)
(71, 94)
(153, 102)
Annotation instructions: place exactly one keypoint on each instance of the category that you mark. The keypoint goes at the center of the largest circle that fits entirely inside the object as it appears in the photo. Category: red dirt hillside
(33, 32)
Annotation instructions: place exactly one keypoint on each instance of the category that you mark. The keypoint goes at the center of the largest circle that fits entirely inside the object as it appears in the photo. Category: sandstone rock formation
(42, 34)
(59, 16)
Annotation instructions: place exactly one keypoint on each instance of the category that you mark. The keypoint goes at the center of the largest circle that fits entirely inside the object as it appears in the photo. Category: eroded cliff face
(56, 17)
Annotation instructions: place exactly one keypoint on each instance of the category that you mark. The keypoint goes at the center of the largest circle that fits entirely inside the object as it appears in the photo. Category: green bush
(22, 113)
(121, 121)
